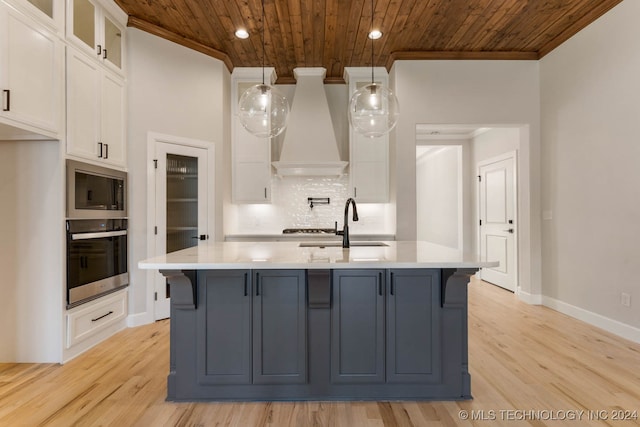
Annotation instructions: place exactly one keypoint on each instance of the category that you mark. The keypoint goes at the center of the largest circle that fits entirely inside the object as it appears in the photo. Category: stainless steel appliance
(310, 230)
(96, 258)
(96, 232)
(95, 192)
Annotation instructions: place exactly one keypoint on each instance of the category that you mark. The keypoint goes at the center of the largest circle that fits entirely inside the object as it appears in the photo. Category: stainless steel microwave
(95, 192)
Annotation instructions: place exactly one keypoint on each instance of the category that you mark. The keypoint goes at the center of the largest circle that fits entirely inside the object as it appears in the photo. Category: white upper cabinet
(31, 76)
(113, 132)
(368, 157)
(83, 105)
(91, 28)
(47, 12)
(369, 168)
(251, 156)
(96, 128)
(95, 111)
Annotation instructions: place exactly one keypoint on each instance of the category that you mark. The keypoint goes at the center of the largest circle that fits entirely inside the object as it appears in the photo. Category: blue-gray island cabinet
(395, 329)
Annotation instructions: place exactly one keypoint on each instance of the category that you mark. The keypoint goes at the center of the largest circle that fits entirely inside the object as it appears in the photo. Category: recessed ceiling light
(242, 33)
(375, 34)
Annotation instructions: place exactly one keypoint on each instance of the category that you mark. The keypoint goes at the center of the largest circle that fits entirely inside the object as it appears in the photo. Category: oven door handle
(99, 235)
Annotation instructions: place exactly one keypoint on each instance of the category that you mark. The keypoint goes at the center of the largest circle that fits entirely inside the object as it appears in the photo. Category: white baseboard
(139, 319)
(533, 299)
(610, 325)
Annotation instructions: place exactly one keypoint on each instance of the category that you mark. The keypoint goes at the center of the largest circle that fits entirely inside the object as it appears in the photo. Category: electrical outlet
(625, 299)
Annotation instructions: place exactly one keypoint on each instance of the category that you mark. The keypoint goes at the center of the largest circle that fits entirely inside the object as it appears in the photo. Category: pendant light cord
(263, 42)
(370, 30)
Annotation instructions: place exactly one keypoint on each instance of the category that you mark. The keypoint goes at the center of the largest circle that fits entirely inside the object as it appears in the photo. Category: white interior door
(498, 228)
(181, 207)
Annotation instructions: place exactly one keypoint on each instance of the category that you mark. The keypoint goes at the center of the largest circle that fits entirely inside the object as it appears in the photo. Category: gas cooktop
(309, 231)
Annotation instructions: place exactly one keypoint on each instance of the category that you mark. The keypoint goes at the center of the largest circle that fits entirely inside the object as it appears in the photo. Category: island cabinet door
(224, 327)
(280, 327)
(413, 326)
(357, 327)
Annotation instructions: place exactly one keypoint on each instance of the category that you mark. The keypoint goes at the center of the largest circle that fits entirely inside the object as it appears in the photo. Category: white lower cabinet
(88, 319)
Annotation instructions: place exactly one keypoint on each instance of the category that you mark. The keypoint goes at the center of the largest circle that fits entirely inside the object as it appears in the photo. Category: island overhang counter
(281, 321)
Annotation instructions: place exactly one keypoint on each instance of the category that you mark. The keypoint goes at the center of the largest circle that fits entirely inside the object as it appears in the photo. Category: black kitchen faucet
(345, 230)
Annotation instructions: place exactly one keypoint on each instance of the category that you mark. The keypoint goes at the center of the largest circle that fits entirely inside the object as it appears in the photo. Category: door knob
(509, 230)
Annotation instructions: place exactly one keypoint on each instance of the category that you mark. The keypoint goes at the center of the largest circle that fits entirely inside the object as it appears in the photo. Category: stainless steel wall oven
(96, 224)
(96, 258)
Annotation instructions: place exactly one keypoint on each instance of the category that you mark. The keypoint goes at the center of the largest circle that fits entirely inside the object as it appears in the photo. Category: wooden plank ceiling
(333, 33)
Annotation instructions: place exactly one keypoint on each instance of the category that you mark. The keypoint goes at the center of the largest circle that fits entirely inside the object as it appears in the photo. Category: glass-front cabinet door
(96, 32)
(45, 6)
(112, 50)
(47, 12)
(84, 22)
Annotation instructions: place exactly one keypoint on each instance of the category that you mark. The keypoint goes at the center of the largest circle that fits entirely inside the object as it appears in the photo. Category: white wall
(470, 92)
(439, 195)
(31, 251)
(591, 171)
(175, 91)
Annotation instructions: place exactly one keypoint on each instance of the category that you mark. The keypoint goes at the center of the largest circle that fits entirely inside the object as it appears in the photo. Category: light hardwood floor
(530, 366)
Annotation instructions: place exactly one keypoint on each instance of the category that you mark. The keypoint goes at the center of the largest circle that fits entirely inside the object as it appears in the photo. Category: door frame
(153, 138)
(513, 156)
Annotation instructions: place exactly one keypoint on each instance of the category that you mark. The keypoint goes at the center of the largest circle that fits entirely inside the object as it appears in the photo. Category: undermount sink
(338, 244)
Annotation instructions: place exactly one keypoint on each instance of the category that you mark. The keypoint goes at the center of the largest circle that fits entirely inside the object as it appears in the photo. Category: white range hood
(309, 147)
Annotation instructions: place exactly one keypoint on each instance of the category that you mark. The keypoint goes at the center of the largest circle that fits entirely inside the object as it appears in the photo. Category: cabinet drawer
(86, 320)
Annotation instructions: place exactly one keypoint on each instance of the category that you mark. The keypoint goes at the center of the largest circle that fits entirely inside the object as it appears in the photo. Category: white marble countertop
(289, 255)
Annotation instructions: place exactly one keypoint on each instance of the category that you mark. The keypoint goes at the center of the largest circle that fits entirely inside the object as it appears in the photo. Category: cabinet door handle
(380, 284)
(265, 192)
(100, 150)
(257, 284)
(104, 53)
(99, 50)
(106, 151)
(7, 103)
(391, 284)
(245, 284)
(355, 192)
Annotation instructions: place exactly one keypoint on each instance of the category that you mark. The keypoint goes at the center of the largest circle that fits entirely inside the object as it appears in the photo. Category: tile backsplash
(289, 208)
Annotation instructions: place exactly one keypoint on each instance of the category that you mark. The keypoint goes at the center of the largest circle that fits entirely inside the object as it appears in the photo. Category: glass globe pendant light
(263, 110)
(373, 109)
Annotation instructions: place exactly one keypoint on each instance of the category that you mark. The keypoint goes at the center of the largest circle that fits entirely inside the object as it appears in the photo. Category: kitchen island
(300, 321)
